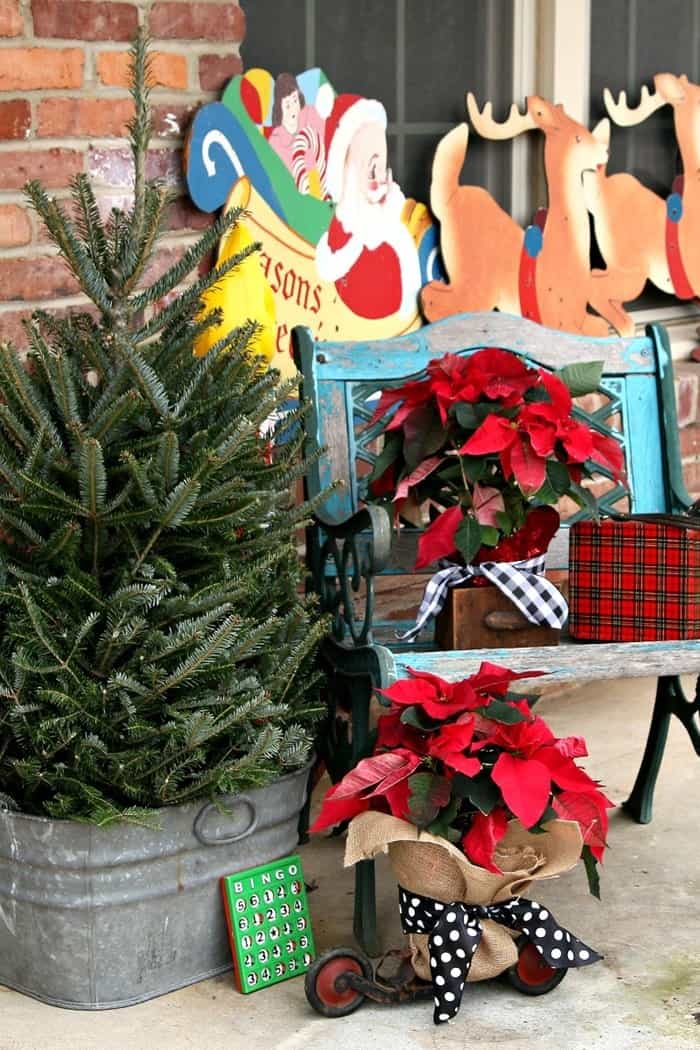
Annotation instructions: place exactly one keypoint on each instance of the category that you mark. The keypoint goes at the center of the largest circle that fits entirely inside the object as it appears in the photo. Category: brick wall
(688, 403)
(64, 105)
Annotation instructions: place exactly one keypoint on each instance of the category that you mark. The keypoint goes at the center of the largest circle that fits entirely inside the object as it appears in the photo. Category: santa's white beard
(372, 222)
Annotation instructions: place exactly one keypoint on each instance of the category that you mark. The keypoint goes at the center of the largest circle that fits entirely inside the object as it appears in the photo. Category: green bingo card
(268, 923)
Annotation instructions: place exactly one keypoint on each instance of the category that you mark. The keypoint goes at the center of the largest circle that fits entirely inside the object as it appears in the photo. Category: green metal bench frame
(350, 544)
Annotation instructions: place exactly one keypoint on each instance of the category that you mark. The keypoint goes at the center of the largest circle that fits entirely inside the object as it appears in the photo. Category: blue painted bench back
(340, 379)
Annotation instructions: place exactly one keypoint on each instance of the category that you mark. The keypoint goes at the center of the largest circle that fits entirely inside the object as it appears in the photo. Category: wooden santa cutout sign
(343, 250)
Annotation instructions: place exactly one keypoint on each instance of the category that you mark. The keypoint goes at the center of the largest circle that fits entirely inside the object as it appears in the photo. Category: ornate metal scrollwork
(352, 561)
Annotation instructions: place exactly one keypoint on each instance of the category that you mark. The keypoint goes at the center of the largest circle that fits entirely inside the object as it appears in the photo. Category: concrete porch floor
(644, 995)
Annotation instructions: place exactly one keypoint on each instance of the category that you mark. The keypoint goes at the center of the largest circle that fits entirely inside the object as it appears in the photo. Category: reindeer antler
(483, 121)
(625, 115)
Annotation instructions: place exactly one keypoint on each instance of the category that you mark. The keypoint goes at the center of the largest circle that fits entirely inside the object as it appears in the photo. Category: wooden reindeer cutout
(490, 261)
(642, 236)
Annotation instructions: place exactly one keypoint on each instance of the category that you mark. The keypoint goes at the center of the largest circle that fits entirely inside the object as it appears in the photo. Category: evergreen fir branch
(151, 385)
(42, 630)
(89, 222)
(65, 237)
(140, 125)
(17, 523)
(92, 478)
(168, 459)
(179, 503)
(157, 202)
(190, 260)
(14, 428)
(19, 389)
(61, 500)
(63, 542)
(190, 296)
(105, 425)
(139, 473)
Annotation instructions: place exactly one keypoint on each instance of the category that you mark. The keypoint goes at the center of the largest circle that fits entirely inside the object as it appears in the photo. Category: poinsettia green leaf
(411, 716)
(591, 866)
(429, 793)
(390, 452)
(481, 791)
(558, 476)
(502, 712)
(441, 824)
(474, 467)
(549, 814)
(468, 537)
(583, 377)
(489, 535)
(504, 522)
(546, 493)
(467, 416)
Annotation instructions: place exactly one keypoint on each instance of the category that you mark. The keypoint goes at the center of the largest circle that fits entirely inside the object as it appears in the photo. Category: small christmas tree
(154, 645)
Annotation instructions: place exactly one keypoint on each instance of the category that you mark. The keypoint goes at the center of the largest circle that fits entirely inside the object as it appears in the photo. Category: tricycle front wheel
(531, 975)
(326, 988)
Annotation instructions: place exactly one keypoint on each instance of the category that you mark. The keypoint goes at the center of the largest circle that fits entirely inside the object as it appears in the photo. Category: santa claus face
(366, 161)
(290, 112)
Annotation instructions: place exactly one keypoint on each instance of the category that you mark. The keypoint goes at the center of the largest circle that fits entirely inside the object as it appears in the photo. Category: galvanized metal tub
(94, 918)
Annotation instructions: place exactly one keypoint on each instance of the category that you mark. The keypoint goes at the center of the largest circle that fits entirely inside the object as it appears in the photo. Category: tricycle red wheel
(326, 988)
(531, 975)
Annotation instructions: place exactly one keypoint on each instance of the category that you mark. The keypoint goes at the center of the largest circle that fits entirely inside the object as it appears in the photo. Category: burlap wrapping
(435, 868)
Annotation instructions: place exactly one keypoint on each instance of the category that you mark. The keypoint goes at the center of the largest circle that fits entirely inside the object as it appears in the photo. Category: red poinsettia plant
(488, 443)
(462, 759)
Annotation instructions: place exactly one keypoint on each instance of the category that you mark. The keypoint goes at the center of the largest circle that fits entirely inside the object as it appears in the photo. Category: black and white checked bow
(455, 931)
(523, 582)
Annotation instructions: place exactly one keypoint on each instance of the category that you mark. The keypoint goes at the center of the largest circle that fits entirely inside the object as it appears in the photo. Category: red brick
(53, 167)
(184, 215)
(43, 277)
(687, 376)
(15, 227)
(29, 68)
(171, 120)
(161, 263)
(165, 164)
(78, 20)
(112, 167)
(215, 71)
(11, 21)
(84, 116)
(167, 70)
(690, 441)
(691, 475)
(15, 119)
(197, 21)
(11, 330)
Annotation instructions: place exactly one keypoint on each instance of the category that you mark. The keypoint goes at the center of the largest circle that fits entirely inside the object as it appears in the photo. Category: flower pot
(93, 918)
(433, 867)
(484, 618)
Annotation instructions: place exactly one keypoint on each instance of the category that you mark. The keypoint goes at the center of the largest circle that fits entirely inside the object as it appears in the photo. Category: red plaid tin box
(635, 580)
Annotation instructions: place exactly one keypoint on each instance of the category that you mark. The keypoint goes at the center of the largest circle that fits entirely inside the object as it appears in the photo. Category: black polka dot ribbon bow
(455, 931)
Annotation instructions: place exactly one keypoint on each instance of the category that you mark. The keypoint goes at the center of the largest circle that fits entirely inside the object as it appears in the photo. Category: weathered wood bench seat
(350, 548)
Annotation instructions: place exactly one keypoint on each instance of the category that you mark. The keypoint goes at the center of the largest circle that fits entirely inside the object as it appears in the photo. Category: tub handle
(224, 840)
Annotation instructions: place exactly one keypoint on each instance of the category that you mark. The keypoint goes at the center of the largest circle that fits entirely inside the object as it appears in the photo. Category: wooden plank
(392, 359)
(567, 662)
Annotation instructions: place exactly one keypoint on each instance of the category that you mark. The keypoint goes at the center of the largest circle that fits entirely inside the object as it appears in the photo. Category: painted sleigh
(230, 161)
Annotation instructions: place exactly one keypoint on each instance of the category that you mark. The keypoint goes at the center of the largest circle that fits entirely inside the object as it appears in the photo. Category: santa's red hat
(349, 113)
